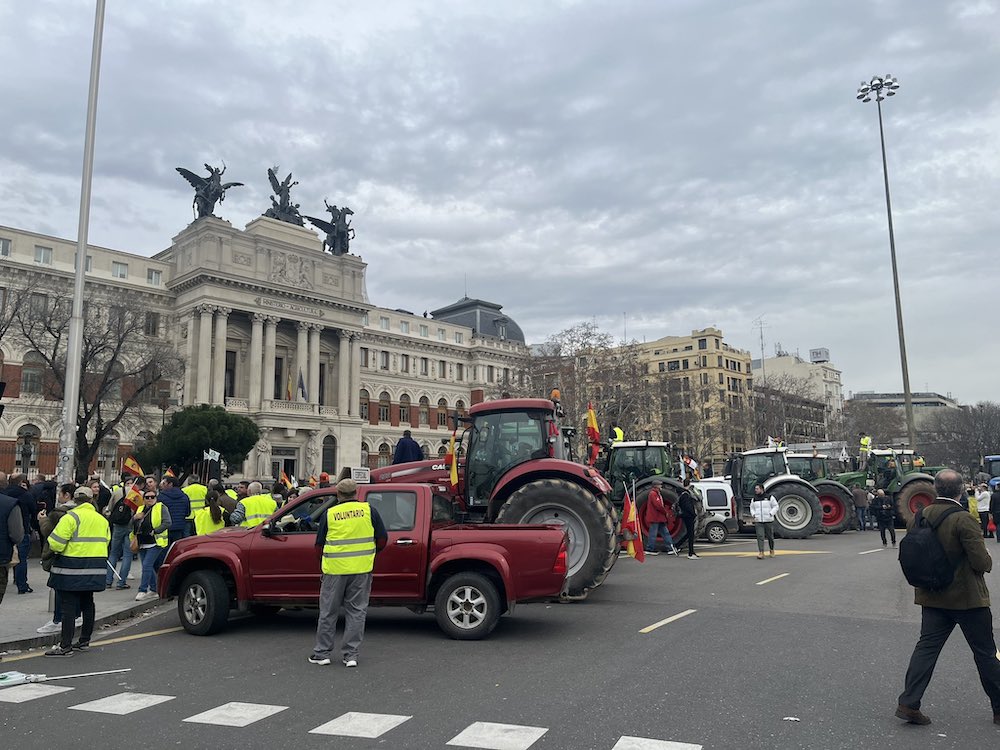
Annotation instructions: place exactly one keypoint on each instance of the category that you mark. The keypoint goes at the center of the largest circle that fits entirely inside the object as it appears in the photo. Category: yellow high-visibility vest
(350, 539)
(196, 494)
(80, 541)
(866, 444)
(258, 509)
(203, 523)
(617, 435)
(159, 537)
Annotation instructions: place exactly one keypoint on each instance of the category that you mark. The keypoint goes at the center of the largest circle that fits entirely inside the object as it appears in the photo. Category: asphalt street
(812, 658)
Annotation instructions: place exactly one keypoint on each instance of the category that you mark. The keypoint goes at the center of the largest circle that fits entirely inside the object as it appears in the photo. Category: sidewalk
(22, 614)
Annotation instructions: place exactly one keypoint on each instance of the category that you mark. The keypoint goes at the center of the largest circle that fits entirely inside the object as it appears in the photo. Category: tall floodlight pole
(880, 87)
(74, 350)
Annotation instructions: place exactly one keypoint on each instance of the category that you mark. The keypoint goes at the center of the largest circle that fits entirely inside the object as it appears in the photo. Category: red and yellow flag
(132, 466)
(593, 435)
(285, 480)
(133, 498)
(632, 530)
(169, 473)
(452, 458)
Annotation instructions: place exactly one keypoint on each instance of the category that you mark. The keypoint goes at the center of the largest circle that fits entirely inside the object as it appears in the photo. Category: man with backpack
(944, 556)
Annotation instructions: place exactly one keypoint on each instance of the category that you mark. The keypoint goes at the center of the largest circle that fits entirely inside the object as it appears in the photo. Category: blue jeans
(862, 518)
(151, 558)
(654, 528)
(21, 569)
(119, 550)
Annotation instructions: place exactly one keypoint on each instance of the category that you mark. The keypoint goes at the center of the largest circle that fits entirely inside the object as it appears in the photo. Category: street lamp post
(880, 87)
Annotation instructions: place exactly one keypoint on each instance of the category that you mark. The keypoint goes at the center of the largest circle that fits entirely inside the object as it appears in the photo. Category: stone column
(256, 359)
(314, 332)
(355, 387)
(267, 370)
(204, 356)
(343, 374)
(301, 359)
(192, 359)
(219, 356)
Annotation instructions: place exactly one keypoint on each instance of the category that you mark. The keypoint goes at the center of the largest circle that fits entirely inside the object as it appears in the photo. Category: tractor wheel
(676, 527)
(799, 512)
(912, 498)
(838, 509)
(593, 542)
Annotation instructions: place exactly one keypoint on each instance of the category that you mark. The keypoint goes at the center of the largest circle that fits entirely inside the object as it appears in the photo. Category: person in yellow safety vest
(616, 433)
(254, 509)
(152, 528)
(196, 493)
(211, 517)
(80, 541)
(349, 535)
(864, 450)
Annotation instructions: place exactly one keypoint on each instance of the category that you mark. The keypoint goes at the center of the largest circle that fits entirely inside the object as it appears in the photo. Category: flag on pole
(631, 530)
(692, 466)
(593, 434)
(285, 480)
(131, 466)
(302, 386)
(288, 386)
(211, 455)
(169, 472)
(133, 498)
(452, 458)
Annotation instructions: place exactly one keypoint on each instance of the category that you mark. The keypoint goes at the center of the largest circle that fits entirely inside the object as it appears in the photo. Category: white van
(720, 509)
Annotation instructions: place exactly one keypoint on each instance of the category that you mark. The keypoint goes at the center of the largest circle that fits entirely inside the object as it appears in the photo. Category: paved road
(826, 644)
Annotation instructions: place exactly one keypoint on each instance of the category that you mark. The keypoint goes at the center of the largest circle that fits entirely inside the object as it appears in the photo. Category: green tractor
(834, 497)
(903, 476)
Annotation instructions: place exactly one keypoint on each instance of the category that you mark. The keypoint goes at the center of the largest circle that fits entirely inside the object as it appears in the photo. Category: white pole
(74, 351)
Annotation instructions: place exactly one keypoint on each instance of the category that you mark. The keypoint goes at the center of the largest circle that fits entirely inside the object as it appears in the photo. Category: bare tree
(124, 362)
(787, 407)
(884, 424)
(961, 437)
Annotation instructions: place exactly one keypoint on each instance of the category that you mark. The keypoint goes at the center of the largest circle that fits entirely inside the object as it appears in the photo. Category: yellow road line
(777, 553)
(772, 578)
(105, 642)
(669, 620)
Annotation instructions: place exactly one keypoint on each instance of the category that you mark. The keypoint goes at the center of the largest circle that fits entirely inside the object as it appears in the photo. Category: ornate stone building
(270, 326)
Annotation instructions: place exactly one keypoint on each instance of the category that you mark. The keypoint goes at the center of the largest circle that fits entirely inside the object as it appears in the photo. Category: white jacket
(763, 508)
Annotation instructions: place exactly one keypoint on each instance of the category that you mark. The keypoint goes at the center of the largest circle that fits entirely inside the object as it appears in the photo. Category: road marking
(123, 703)
(772, 578)
(868, 552)
(29, 692)
(669, 620)
(105, 642)
(643, 743)
(777, 553)
(485, 734)
(356, 724)
(236, 714)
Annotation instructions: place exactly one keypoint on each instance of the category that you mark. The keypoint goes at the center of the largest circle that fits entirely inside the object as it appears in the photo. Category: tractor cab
(633, 461)
(807, 466)
(991, 465)
(755, 467)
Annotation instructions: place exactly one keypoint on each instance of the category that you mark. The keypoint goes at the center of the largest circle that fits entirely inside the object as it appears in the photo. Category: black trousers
(935, 627)
(689, 527)
(883, 525)
(984, 521)
(75, 603)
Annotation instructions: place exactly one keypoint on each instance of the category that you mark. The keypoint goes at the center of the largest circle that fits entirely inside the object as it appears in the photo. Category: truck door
(401, 565)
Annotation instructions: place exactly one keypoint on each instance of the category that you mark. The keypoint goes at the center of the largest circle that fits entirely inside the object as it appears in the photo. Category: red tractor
(513, 469)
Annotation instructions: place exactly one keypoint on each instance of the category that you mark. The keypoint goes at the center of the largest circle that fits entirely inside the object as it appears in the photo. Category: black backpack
(121, 514)
(921, 555)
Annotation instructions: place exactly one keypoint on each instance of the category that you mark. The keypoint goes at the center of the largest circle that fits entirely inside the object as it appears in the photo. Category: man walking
(656, 515)
(348, 537)
(861, 501)
(688, 512)
(11, 533)
(80, 541)
(995, 510)
(983, 508)
(965, 602)
(763, 509)
(884, 510)
(407, 450)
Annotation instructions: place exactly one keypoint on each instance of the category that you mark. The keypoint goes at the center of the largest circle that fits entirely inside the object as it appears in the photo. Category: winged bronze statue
(282, 208)
(339, 231)
(207, 190)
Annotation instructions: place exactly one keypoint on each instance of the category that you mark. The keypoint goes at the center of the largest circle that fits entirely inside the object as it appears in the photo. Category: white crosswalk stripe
(123, 703)
(490, 736)
(644, 743)
(356, 724)
(29, 692)
(235, 714)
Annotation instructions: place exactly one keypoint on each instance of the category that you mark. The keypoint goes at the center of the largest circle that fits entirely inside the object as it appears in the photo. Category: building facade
(821, 380)
(270, 326)
(926, 406)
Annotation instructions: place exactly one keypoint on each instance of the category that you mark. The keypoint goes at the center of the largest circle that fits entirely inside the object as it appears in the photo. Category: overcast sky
(678, 164)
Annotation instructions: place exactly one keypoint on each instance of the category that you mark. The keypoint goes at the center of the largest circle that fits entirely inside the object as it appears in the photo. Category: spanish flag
(453, 458)
(593, 434)
(288, 387)
(632, 530)
(285, 480)
(132, 466)
(169, 472)
(133, 498)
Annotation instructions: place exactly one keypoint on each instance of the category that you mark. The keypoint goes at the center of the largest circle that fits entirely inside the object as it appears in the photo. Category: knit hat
(347, 488)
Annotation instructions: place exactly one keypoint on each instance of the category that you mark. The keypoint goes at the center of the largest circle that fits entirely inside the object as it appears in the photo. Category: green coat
(962, 539)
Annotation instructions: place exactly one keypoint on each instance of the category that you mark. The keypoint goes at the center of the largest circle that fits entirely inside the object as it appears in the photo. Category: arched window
(329, 463)
(28, 439)
(442, 451)
(442, 413)
(383, 407)
(384, 455)
(365, 454)
(404, 409)
(426, 449)
(142, 440)
(460, 407)
(32, 373)
(425, 411)
(363, 407)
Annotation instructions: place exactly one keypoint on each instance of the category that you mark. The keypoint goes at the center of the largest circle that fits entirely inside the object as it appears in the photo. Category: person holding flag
(120, 514)
(593, 435)
(631, 530)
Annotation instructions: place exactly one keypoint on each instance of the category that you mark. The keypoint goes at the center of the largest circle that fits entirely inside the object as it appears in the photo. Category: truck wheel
(913, 497)
(799, 513)
(203, 603)
(593, 540)
(467, 606)
(716, 532)
(838, 509)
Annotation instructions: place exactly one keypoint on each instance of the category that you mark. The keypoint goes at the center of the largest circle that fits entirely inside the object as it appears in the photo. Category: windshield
(757, 467)
(993, 467)
(639, 462)
(807, 467)
(497, 443)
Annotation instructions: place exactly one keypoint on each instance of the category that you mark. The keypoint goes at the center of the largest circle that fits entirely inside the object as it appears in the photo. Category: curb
(49, 639)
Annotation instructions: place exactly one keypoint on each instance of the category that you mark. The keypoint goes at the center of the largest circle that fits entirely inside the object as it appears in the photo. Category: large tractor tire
(676, 527)
(799, 511)
(913, 497)
(837, 506)
(593, 541)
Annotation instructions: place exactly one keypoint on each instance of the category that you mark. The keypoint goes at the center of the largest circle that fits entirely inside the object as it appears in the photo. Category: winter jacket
(686, 503)
(407, 450)
(962, 539)
(11, 528)
(884, 508)
(995, 501)
(763, 508)
(656, 512)
(27, 503)
(45, 526)
(179, 506)
(861, 497)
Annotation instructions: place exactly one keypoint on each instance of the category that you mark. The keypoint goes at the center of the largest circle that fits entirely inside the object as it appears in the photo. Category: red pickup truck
(469, 573)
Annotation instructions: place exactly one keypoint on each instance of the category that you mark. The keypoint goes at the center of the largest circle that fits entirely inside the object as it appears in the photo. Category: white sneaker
(131, 575)
(350, 662)
(50, 627)
(144, 595)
